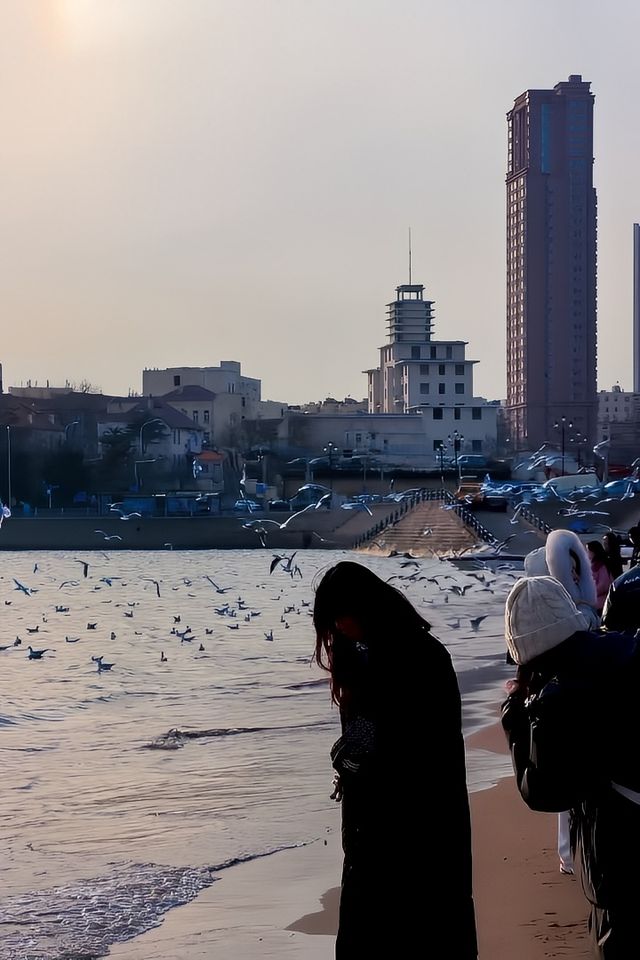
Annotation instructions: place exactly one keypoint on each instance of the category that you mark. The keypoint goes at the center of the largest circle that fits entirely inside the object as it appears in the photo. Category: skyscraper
(551, 266)
(636, 309)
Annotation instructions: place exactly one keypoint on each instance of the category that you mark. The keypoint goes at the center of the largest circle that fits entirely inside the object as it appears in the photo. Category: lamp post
(136, 474)
(456, 439)
(9, 464)
(329, 450)
(146, 424)
(365, 461)
(578, 439)
(74, 423)
(561, 425)
(440, 451)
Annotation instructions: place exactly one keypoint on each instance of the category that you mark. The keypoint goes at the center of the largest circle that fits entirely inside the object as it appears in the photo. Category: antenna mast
(409, 256)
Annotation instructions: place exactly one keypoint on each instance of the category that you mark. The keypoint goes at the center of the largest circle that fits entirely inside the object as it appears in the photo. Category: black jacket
(622, 606)
(605, 667)
(405, 811)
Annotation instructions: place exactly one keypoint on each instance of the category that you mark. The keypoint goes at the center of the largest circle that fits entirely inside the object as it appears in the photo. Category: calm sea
(126, 791)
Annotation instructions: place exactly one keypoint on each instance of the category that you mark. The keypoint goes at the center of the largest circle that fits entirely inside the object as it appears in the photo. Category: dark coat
(605, 825)
(405, 814)
(608, 664)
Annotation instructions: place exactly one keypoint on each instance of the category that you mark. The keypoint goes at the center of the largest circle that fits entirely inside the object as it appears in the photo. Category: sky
(190, 181)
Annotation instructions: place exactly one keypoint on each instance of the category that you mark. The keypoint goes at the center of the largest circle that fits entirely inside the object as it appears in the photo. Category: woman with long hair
(400, 773)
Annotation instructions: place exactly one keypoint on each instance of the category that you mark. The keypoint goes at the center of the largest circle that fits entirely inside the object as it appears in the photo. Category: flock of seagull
(440, 583)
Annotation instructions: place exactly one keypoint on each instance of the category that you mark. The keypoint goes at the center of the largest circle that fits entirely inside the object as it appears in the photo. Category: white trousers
(564, 843)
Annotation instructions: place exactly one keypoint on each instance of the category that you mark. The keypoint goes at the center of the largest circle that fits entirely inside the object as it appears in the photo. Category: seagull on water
(101, 664)
(36, 654)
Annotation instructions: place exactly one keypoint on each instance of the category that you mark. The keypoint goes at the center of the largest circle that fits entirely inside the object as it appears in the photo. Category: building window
(449, 353)
(176, 380)
(441, 388)
(424, 369)
(415, 353)
(437, 413)
(476, 413)
(459, 387)
(424, 388)
(436, 445)
(358, 438)
(206, 437)
(434, 353)
(456, 413)
(244, 401)
(205, 416)
(195, 416)
(459, 369)
(441, 369)
(476, 446)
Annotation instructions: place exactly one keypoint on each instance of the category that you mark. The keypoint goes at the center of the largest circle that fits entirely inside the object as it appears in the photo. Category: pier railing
(535, 520)
(421, 496)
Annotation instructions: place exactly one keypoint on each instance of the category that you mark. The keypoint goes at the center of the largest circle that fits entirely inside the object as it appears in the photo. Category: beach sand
(285, 906)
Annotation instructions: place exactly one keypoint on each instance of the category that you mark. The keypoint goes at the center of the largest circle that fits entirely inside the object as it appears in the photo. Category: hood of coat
(560, 565)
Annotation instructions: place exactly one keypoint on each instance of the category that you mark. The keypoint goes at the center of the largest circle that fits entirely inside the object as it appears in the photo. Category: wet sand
(286, 905)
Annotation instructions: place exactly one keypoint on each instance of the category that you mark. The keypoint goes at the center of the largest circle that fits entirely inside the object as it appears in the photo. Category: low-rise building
(619, 422)
(174, 438)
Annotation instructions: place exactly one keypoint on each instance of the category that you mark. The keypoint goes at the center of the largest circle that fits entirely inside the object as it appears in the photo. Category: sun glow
(89, 23)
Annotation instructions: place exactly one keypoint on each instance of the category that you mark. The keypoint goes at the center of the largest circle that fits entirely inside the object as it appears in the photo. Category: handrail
(466, 516)
(535, 520)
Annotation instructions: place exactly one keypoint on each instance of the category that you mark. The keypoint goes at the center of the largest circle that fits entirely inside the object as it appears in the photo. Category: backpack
(556, 738)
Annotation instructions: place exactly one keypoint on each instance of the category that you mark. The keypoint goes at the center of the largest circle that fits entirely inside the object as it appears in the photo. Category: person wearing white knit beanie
(593, 678)
(539, 614)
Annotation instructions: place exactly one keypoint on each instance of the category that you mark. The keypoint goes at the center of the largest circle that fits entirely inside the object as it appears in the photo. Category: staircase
(425, 530)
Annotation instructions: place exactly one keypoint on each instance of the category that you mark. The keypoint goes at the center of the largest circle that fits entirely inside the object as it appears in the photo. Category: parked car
(474, 497)
(283, 505)
(246, 506)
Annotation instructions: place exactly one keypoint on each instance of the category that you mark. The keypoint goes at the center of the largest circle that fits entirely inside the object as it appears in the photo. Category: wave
(81, 920)
(175, 739)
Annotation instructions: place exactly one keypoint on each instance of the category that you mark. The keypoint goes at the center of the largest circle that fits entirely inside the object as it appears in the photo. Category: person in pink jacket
(602, 576)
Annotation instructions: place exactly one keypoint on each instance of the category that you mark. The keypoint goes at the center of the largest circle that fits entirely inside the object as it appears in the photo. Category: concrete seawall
(326, 530)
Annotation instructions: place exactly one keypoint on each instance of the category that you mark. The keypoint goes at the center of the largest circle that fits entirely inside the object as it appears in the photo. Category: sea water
(126, 791)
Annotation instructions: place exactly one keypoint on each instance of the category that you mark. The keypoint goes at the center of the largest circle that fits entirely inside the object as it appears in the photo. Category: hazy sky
(189, 181)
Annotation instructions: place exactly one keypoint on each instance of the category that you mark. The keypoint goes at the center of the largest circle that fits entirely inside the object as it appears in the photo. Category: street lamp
(456, 439)
(329, 450)
(146, 424)
(74, 423)
(9, 465)
(365, 462)
(561, 425)
(135, 471)
(579, 439)
(440, 451)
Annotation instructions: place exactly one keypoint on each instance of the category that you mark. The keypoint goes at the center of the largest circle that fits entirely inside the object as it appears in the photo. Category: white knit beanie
(539, 615)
